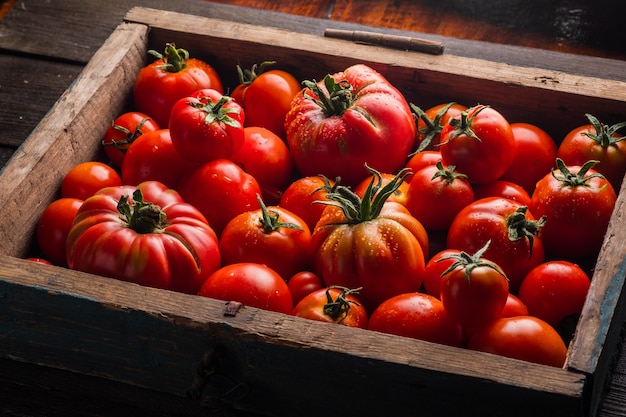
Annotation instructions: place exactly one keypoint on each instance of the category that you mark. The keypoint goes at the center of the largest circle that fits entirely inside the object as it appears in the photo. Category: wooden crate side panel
(155, 339)
(69, 134)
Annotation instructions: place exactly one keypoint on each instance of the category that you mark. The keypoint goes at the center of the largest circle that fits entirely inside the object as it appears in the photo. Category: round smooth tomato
(144, 234)
(303, 283)
(123, 131)
(265, 156)
(221, 190)
(206, 125)
(514, 307)
(266, 96)
(577, 203)
(480, 143)
(533, 156)
(53, 227)
(39, 261)
(252, 284)
(85, 179)
(399, 195)
(333, 305)
(525, 338)
(350, 120)
(416, 315)
(513, 232)
(555, 290)
(302, 198)
(172, 76)
(504, 189)
(421, 160)
(437, 194)
(430, 123)
(434, 269)
(473, 290)
(152, 157)
(268, 235)
(599, 142)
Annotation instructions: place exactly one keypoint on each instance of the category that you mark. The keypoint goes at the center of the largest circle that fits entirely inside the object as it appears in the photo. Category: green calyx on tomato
(247, 76)
(433, 126)
(463, 125)
(142, 217)
(469, 262)
(269, 219)
(338, 99)
(361, 209)
(174, 59)
(605, 134)
(338, 308)
(447, 174)
(131, 136)
(216, 111)
(520, 227)
(569, 179)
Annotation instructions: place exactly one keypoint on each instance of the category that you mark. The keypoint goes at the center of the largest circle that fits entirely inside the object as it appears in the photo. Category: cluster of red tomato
(228, 202)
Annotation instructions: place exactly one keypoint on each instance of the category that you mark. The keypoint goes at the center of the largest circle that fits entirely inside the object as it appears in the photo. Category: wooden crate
(263, 362)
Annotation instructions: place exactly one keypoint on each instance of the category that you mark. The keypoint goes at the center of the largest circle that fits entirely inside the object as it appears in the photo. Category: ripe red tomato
(206, 125)
(533, 156)
(352, 118)
(146, 235)
(421, 160)
(301, 196)
(480, 143)
(525, 338)
(333, 305)
(431, 122)
(171, 77)
(578, 203)
(516, 244)
(123, 131)
(416, 315)
(53, 227)
(399, 195)
(504, 189)
(437, 194)
(254, 285)
(434, 269)
(514, 307)
(303, 283)
(152, 157)
(221, 190)
(473, 290)
(600, 142)
(555, 290)
(358, 245)
(266, 96)
(85, 179)
(40, 261)
(268, 235)
(266, 157)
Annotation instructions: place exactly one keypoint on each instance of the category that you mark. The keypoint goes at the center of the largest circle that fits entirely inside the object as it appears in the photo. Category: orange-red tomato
(333, 305)
(302, 196)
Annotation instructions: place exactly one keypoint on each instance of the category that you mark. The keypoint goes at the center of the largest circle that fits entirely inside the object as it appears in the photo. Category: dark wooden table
(44, 44)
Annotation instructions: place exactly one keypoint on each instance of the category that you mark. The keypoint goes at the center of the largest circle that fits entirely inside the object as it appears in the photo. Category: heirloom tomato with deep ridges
(349, 119)
(123, 131)
(146, 235)
(333, 305)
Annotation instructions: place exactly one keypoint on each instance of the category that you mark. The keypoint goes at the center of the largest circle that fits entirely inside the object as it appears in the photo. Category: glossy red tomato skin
(221, 190)
(399, 195)
(486, 220)
(303, 283)
(312, 307)
(524, 337)
(555, 290)
(123, 131)
(287, 250)
(85, 179)
(533, 156)
(265, 156)
(416, 315)
(156, 90)
(483, 160)
(576, 217)
(152, 157)
(53, 227)
(434, 269)
(421, 160)
(514, 307)
(179, 256)
(504, 189)
(301, 196)
(454, 109)
(383, 255)
(377, 129)
(252, 284)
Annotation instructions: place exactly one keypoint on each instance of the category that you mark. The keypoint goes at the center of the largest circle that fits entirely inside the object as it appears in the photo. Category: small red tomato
(434, 269)
(333, 305)
(555, 290)
(87, 178)
(54, 226)
(421, 160)
(514, 307)
(416, 315)
(399, 195)
(525, 338)
(123, 131)
(303, 195)
(251, 284)
(504, 189)
(431, 122)
(303, 283)
(40, 261)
